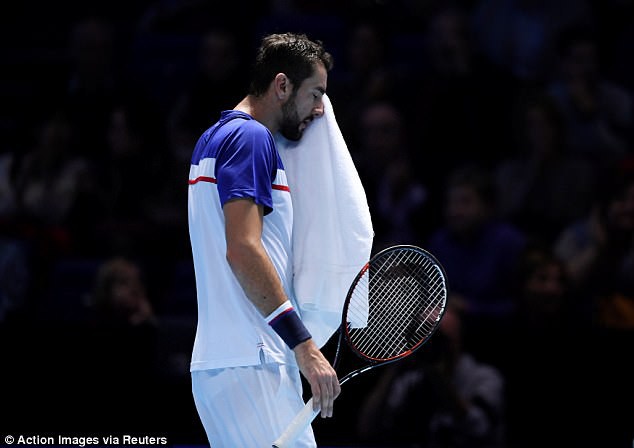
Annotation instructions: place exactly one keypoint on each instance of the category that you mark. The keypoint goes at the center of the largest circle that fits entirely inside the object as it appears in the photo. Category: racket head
(395, 304)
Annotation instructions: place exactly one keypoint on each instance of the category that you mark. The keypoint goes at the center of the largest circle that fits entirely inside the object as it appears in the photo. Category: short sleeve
(245, 165)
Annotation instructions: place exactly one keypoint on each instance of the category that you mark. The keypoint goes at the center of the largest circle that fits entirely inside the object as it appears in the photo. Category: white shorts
(249, 407)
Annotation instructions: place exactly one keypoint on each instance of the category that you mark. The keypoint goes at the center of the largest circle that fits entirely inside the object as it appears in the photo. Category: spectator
(120, 295)
(460, 100)
(93, 81)
(541, 187)
(216, 86)
(519, 35)
(545, 301)
(480, 254)
(51, 181)
(397, 200)
(51, 177)
(546, 357)
(118, 220)
(364, 75)
(598, 249)
(120, 349)
(597, 112)
(441, 397)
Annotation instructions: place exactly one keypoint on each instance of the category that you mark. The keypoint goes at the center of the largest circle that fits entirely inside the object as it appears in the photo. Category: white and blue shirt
(236, 158)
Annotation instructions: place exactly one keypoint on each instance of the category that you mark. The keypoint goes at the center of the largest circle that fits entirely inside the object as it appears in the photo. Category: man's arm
(259, 279)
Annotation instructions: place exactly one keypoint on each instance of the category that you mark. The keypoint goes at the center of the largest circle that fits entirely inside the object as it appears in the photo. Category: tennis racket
(392, 308)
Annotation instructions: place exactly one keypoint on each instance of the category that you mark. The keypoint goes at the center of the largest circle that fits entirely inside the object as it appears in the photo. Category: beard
(289, 127)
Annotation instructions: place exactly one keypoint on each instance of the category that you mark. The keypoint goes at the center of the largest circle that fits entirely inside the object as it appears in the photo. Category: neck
(261, 109)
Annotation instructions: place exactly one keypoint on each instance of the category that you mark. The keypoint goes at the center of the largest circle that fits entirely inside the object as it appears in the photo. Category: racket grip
(297, 426)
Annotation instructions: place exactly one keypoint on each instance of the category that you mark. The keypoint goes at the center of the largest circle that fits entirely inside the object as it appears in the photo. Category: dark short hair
(295, 55)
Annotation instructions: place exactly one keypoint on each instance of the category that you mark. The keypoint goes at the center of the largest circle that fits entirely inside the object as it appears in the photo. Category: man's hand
(320, 375)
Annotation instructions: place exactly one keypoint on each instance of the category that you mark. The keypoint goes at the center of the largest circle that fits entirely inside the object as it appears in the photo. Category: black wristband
(287, 324)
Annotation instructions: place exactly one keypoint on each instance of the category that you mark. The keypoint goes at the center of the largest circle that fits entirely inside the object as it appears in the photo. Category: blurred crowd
(497, 134)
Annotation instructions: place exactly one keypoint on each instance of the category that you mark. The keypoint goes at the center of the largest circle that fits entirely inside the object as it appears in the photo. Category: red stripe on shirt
(213, 181)
(280, 187)
(202, 179)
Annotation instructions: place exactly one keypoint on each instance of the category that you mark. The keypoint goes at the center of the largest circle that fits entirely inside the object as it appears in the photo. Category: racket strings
(407, 325)
(399, 300)
(382, 341)
(386, 288)
(403, 333)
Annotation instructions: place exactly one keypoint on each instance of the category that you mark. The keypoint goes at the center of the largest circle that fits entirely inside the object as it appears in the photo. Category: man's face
(304, 104)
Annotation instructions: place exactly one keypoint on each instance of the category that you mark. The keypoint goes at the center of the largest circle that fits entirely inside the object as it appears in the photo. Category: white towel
(332, 227)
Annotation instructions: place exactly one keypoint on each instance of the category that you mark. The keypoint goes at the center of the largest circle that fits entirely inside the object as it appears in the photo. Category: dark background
(61, 373)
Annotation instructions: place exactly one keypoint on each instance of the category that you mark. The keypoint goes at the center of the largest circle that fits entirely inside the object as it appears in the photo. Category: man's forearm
(257, 275)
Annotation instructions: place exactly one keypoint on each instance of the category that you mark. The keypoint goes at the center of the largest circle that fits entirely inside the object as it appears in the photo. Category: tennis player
(251, 344)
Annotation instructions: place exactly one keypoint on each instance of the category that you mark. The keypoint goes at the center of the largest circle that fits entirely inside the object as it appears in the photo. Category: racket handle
(297, 426)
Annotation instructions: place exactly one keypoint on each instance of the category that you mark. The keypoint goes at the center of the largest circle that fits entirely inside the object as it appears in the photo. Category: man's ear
(283, 86)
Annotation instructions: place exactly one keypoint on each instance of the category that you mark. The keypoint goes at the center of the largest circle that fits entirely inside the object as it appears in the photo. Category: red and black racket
(393, 307)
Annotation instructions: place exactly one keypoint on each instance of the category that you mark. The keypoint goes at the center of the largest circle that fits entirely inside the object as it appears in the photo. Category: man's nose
(318, 111)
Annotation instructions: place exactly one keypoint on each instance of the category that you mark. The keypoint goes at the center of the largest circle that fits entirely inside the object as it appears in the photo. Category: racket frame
(343, 327)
